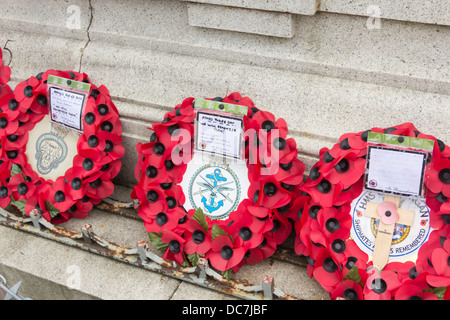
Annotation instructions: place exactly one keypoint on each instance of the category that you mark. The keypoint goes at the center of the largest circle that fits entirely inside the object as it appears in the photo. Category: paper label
(219, 135)
(395, 171)
(67, 100)
(396, 164)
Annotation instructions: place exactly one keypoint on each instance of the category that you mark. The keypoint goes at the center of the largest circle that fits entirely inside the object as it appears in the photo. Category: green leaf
(217, 231)
(155, 238)
(51, 209)
(15, 169)
(439, 292)
(20, 205)
(353, 275)
(193, 258)
(201, 219)
(227, 274)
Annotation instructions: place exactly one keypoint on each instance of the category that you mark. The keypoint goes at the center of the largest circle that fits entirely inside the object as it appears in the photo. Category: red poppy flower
(5, 193)
(324, 192)
(20, 188)
(224, 254)
(259, 217)
(59, 195)
(380, 286)
(414, 290)
(347, 290)
(263, 120)
(269, 193)
(175, 250)
(281, 230)
(183, 112)
(5, 71)
(197, 239)
(439, 177)
(38, 202)
(98, 186)
(440, 258)
(346, 170)
(240, 229)
(326, 271)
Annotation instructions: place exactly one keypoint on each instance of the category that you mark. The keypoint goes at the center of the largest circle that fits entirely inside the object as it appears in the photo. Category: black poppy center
(379, 285)
(161, 218)
(22, 188)
(268, 125)
(59, 196)
(350, 294)
(28, 91)
(174, 246)
(270, 189)
(76, 183)
(342, 166)
(245, 233)
(444, 176)
(3, 192)
(92, 141)
(198, 236)
(226, 252)
(152, 196)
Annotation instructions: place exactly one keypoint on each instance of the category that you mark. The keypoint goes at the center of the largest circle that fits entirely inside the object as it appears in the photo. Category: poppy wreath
(259, 223)
(99, 149)
(324, 223)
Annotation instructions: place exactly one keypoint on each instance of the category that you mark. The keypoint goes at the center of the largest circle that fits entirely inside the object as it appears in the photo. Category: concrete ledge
(306, 7)
(432, 11)
(53, 270)
(241, 20)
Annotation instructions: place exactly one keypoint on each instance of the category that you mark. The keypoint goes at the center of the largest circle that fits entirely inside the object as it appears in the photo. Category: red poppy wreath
(328, 212)
(258, 224)
(97, 155)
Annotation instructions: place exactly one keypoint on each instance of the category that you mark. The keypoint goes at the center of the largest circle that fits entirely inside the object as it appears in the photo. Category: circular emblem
(51, 151)
(215, 189)
(406, 240)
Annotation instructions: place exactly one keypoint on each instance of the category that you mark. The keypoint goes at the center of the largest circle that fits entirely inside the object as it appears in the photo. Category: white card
(395, 171)
(66, 107)
(219, 135)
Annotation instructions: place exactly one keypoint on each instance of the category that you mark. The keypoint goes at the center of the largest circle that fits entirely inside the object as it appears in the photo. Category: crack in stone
(91, 11)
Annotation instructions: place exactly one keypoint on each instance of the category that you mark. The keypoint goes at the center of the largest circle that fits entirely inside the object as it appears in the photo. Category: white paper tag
(395, 171)
(67, 99)
(66, 107)
(219, 135)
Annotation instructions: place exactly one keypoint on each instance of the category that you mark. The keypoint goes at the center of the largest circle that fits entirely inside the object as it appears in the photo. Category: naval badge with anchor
(215, 189)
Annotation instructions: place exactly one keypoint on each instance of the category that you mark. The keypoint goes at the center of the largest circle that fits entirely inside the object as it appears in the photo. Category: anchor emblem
(215, 189)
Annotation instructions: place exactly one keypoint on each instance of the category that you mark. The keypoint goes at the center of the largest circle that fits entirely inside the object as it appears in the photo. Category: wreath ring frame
(323, 219)
(252, 231)
(99, 149)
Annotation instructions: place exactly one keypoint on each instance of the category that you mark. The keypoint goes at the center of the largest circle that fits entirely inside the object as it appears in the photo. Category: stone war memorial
(225, 150)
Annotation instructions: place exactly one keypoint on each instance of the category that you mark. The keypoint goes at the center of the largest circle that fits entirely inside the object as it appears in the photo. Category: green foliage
(193, 258)
(155, 238)
(217, 231)
(439, 292)
(201, 219)
(227, 274)
(19, 205)
(353, 275)
(51, 209)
